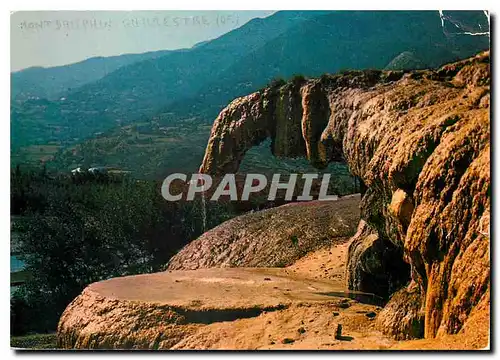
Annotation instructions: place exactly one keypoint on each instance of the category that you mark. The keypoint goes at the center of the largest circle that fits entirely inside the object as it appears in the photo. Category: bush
(277, 82)
(35, 341)
(295, 240)
(79, 230)
(298, 79)
(19, 315)
(325, 78)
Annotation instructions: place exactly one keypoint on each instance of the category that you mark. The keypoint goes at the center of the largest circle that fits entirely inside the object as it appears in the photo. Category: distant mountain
(141, 89)
(53, 82)
(201, 43)
(183, 91)
(343, 40)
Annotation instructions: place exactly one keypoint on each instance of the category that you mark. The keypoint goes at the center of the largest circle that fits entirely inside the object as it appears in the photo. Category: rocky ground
(261, 308)
(274, 237)
(298, 307)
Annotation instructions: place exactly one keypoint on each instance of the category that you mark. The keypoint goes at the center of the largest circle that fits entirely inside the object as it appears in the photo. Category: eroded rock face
(420, 143)
(402, 318)
(94, 321)
(274, 237)
(373, 264)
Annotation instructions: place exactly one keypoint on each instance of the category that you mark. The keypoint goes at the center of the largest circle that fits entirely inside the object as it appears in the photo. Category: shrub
(295, 240)
(298, 79)
(79, 230)
(277, 82)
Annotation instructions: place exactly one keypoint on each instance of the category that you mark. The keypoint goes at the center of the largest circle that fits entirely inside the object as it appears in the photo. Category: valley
(184, 90)
(393, 107)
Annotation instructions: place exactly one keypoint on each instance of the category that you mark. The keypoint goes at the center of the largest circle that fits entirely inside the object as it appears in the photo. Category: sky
(51, 38)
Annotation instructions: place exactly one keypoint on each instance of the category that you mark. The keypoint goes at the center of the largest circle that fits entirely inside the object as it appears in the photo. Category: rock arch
(419, 141)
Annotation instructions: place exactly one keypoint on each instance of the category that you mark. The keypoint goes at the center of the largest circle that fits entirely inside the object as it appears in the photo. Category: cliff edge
(420, 143)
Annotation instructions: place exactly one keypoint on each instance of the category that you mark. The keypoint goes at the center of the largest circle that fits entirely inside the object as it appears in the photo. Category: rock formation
(374, 265)
(274, 237)
(420, 143)
(190, 309)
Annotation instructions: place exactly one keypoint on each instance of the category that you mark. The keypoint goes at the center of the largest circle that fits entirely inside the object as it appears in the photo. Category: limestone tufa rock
(420, 143)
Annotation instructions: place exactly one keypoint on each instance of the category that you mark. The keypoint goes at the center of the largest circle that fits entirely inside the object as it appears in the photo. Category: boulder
(274, 237)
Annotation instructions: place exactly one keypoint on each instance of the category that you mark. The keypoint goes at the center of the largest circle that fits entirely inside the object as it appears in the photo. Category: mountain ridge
(189, 94)
(25, 83)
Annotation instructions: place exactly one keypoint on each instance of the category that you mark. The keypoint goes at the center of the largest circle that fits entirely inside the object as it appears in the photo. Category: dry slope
(275, 237)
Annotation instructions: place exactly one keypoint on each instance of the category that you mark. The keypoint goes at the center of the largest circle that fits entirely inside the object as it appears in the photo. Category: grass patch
(35, 341)
(295, 240)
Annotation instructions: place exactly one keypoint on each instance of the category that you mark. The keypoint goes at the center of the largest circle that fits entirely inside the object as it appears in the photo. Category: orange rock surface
(420, 142)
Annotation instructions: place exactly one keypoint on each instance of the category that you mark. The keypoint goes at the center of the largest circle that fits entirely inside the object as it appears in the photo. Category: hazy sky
(50, 38)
